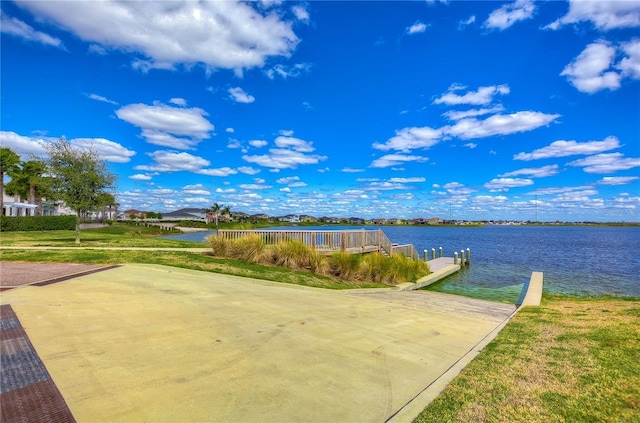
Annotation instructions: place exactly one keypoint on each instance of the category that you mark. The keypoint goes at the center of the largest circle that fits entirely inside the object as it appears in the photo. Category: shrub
(251, 249)
(219, 245)
(37, 223)
(405, 269)
(292, 254)
(374, 267)
(344, 265)
(318, 263)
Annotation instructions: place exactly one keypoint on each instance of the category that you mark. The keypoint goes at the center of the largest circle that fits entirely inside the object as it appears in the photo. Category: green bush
(37, 223)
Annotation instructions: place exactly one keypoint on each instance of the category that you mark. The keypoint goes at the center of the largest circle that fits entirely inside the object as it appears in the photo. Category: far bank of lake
(580, 260)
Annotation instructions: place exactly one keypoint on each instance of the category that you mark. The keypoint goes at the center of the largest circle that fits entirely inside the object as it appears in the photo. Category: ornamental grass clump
(219, 245)
(296, 255)
(345, 266)
(405, 269)
(292, 254)
(251, 249)
(375, 267)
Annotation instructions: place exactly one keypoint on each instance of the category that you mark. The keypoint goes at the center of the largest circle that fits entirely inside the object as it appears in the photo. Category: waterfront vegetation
(294, 254)
(573, 359)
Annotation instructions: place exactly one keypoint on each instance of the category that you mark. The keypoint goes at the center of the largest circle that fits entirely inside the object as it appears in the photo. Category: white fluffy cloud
(606, 163)
(617, 180)
(20, 29)
(221, 171)
(395, 160)
(595, 68)
(416, 28)
(562, 148)
(171, 161)
(240, 96)
(500, 124)
(483, 96)
(141, 177)
(25, 146)
(466, 124)
(168, 126)
(604, 15)
(537, 172)
(509, 14)
(462, 114)
(218, 34)
(289, 154)
(408, 139)
(503, 184)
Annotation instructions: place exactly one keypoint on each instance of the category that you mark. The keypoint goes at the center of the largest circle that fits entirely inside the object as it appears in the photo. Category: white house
(13, 205)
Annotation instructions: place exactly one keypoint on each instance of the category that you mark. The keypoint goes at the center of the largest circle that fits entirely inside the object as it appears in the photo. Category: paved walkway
(154, 343)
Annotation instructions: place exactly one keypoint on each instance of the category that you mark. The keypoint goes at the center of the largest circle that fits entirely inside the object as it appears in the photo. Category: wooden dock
(358, 241)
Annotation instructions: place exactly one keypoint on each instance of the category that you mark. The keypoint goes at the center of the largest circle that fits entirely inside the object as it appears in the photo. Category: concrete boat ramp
(154, 343)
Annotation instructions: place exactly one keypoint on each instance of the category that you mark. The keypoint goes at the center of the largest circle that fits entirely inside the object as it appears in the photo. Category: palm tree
(9, 160)
(218, 210)
(30, 182)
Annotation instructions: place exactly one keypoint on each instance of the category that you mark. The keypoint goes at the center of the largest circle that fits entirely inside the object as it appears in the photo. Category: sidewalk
(156, 343)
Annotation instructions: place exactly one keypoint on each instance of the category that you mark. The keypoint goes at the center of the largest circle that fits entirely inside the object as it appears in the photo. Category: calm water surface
(574, 259)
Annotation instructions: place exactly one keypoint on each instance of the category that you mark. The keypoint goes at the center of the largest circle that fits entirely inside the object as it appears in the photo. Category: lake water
(574, 259)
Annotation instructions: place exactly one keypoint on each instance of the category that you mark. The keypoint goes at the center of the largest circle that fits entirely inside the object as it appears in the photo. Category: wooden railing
(353, 241)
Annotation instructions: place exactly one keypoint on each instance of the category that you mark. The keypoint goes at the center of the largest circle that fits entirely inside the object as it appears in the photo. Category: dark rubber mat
(67, 277)
(27, 392)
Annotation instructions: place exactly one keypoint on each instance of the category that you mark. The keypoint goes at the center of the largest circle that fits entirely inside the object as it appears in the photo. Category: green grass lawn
(119, 235)
(116, 235)
(569, 360)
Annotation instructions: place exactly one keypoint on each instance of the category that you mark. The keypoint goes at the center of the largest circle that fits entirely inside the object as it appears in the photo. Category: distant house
(356, 221)
(378, 221)
(239, 216)
(307, 218)
(292, 218)
(325, 219)
(434, 221)
(261, 217)
(133, 213)
(394, 221)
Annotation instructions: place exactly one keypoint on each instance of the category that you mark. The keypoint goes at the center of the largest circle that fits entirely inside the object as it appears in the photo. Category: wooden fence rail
(352, 241)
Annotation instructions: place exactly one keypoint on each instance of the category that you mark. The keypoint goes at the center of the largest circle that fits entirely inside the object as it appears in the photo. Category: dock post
(433, 254)
(425, 254)
(468, 256)
(440, 253)
(462, 263)
(455, 258)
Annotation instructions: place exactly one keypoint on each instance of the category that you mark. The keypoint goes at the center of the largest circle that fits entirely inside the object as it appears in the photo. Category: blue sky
(464, 110)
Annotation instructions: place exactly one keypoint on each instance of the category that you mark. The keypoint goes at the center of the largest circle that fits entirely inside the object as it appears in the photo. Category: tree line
(68, 174)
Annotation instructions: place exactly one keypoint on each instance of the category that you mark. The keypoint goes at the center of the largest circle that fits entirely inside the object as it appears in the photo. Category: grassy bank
(571, 360)
(116, 235)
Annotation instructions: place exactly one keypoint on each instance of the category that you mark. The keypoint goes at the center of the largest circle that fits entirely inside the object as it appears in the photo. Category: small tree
(79, 178)
(9, 161)
(218, 210)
